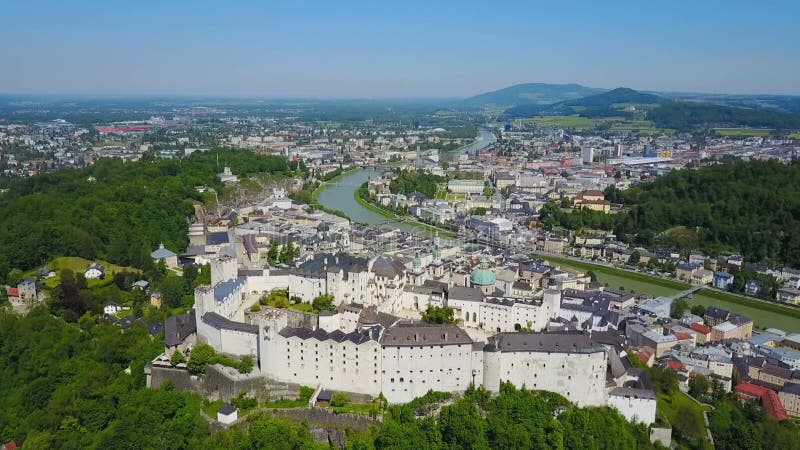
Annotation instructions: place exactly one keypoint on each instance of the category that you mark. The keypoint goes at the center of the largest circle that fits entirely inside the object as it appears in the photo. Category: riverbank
(408, 221)
(322, 185)
(763, 313)
(485, 138)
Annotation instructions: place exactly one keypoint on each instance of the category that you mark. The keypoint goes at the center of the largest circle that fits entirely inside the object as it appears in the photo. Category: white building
(465, 186)
(227, 414)
(569, 364)
(407, 359)
(587, 154)
(637, 405)
(95, 272)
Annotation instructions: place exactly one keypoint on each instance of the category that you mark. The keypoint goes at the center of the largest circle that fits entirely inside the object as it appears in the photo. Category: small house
(753, 288)
(112, 308)
(723, 280)
(227, 414)
(95, 272)
(164, 254)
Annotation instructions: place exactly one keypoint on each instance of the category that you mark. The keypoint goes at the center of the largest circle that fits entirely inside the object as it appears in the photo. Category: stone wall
(221, 383)
(326, 418)
(294, 319)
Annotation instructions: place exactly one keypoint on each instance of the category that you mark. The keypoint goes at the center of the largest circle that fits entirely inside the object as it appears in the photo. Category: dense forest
(748, 207)
(685, 116)
(411, 181)
(114, 210)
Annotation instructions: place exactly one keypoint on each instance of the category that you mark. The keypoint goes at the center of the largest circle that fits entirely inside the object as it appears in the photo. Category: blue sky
(405, 49)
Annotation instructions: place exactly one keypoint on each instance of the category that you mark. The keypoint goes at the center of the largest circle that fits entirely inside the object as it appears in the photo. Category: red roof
(642, 357)
(700, 328)
(13, 292)
(682, 336)
(769, 399)
(10, 445)
(675, 365)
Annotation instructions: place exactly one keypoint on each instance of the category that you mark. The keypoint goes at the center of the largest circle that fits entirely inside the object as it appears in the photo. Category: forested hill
(531, 94)
(114, 210)
(752, 207)
(598, 105)
(685, 116)
(748, 207)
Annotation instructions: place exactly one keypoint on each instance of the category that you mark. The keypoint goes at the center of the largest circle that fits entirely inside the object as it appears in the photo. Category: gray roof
(632, 392)
(227, 409)
(326, 262)
(219, 322)
(177, 328)
(322, 335)
(791, 388)
(546, 342)
(465, 293)
(421, 333)
(226, 288)
(218, 238)
(388, 267)
(162, 253)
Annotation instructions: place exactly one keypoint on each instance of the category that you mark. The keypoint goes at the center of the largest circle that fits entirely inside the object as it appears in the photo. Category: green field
(79, 265)
(744, 132)
(616, 278)
(572, 121)
(764, 315)
(794, 136)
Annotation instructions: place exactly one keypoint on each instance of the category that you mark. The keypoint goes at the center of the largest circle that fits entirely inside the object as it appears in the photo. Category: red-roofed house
(13, 292)
(769, 399)
(676, 365)
(703, 332)
(10, 445)
(684, 336)
(647, 357)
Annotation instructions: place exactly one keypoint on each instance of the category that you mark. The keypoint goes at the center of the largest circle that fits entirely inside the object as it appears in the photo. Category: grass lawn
(212, 408)
(743, 131)
(124, 313)
(764, 315)
(285, 403)
(794, 136)
(573, 121)
(685, 415)
(358, 408)
(80, 265)
(640, 283)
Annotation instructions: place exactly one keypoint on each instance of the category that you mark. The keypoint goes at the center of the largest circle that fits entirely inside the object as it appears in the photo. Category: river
(340, 195)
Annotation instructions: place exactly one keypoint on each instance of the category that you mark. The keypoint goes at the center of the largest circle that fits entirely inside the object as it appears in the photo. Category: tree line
(752, 208)
(114, 210)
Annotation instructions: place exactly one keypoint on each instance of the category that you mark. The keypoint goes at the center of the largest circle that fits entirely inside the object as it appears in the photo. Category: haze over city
(399, 225)
(409, 49)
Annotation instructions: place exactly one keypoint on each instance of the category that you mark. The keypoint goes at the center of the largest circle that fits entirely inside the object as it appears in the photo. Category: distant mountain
(605, 104)
(531, 94)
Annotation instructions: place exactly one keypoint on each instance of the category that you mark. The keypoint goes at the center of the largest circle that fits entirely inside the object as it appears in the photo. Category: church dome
(482, 276)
